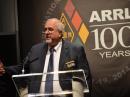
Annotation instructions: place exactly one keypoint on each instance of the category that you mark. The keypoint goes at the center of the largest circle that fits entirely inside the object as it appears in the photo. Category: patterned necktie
(49, 77)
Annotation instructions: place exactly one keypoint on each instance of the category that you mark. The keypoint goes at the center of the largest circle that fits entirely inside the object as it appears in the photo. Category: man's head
(53, 31)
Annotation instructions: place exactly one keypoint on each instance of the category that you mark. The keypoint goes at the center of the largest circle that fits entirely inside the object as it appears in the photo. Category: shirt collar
(58, 46)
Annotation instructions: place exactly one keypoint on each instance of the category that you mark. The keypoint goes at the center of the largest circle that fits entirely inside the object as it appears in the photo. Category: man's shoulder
(74, 44)
(38, 45)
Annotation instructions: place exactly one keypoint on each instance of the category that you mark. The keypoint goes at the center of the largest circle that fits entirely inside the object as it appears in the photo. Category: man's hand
(2, 70)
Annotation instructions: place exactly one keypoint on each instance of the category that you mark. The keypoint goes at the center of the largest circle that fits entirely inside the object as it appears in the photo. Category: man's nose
(47, 31)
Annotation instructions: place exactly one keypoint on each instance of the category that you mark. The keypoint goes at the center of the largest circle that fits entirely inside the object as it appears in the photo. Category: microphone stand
(26, 61)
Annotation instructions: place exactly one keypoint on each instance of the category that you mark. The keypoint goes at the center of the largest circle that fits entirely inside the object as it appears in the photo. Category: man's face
(51, 33)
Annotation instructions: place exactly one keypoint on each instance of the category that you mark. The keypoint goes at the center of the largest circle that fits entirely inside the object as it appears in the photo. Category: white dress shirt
(56, 54)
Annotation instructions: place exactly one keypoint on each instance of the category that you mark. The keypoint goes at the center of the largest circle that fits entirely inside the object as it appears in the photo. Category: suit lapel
(42, 61)
(63, 55)
(43, 56)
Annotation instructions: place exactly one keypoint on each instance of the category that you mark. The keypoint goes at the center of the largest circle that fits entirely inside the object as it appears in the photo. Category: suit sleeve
(83, 64)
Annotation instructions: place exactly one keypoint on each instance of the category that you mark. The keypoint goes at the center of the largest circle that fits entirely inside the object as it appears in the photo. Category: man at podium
(53, 54)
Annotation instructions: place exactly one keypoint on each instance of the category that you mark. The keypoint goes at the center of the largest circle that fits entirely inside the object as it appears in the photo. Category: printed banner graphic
(104, 30)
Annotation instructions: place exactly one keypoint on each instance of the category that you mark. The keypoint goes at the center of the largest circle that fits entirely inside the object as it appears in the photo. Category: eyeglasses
(48, 28)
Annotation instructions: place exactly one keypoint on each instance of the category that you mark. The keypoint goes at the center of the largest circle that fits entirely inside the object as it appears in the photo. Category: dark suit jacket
(69, 52)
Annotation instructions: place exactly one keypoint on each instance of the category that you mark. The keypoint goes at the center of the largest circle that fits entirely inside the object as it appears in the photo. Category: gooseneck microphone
(27, 61)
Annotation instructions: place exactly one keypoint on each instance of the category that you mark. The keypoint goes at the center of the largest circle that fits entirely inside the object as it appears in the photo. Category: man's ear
(61, 34)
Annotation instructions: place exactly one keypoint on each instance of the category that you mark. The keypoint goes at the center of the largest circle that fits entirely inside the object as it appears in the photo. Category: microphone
(27, 61)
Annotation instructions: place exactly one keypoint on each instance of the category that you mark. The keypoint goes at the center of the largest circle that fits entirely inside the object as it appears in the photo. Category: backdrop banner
(103, 28)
